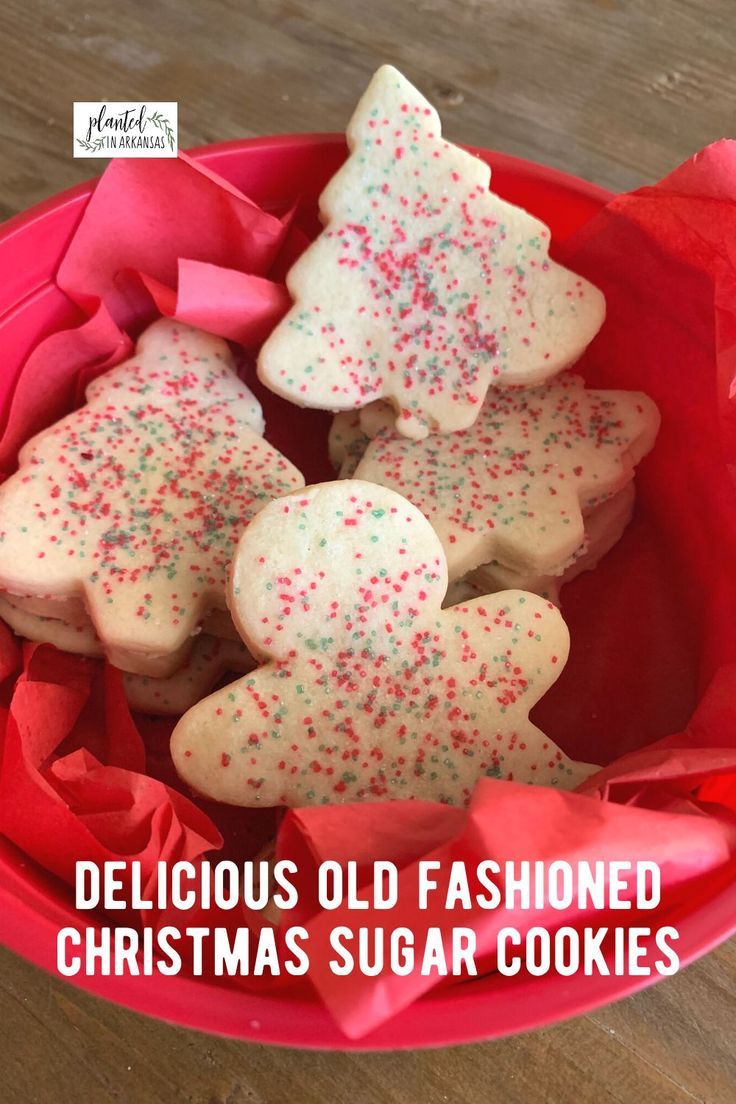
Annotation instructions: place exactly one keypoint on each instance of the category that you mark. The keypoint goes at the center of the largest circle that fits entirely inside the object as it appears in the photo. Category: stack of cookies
(430, 315)
(117, 531)
(536, 491)
(429, 318)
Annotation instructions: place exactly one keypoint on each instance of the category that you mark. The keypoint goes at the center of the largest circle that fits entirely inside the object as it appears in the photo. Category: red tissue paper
(72, 776)
(166, 237)
(653, 645)
(649, 691)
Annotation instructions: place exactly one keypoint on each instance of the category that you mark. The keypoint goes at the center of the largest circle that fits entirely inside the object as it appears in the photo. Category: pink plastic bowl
(34, 905)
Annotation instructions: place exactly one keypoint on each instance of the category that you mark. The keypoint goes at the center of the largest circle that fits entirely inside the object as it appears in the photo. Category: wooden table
(617, 91)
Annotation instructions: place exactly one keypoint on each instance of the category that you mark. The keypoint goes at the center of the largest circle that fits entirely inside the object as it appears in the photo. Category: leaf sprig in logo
(163, 124)
(92, 147)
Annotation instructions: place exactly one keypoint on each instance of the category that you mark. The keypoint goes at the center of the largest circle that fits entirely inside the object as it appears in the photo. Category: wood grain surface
(617, 91)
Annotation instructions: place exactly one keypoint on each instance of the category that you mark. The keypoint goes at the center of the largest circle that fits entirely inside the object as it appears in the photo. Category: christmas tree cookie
(366, 688)
(134, 503)
(424, 287)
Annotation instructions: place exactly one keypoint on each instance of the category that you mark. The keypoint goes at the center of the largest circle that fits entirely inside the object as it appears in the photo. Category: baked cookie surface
(424, 287)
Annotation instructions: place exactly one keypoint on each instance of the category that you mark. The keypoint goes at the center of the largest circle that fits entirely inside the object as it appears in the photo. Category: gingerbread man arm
(180, 364)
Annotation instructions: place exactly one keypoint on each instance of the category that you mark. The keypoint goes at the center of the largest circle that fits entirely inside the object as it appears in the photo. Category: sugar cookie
(424, 287)
(135, 502)
(218, 622)
(71, 610)
(517, 485)
(367, 689)
(80, 638)
(604, 527)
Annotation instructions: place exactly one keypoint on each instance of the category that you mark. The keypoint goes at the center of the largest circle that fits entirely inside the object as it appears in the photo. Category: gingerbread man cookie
(367, 689)
(517, 485)
(424, 287)
(135, 502)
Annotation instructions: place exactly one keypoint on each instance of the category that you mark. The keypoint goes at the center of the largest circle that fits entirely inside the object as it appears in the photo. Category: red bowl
(34, 905)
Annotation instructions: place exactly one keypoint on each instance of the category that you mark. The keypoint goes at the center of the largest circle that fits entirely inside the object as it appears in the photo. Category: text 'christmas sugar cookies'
(424, 287)
(516, 487)
(134, 503)
(367, 689)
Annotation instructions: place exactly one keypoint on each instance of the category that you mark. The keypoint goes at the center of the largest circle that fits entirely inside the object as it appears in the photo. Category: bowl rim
(471, 1012)
(211, 153)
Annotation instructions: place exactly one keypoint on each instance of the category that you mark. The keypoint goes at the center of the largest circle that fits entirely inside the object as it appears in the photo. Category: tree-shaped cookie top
(183, 368)
(515, 486)
(369, 689)
(424, 287)
(135, 501)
